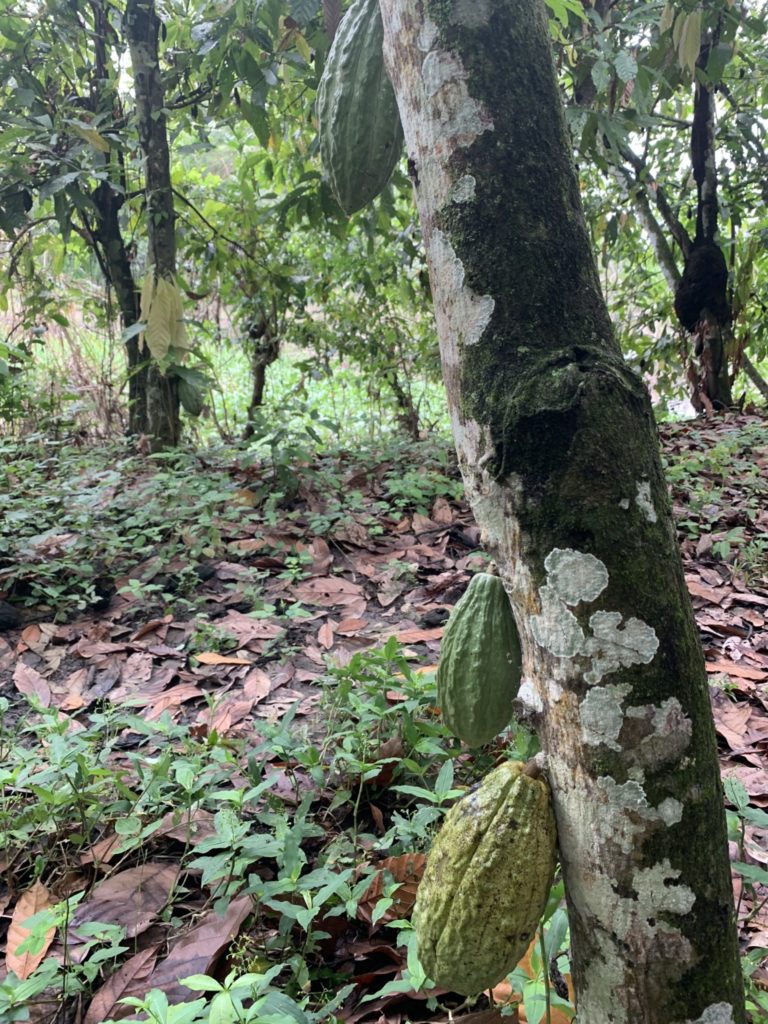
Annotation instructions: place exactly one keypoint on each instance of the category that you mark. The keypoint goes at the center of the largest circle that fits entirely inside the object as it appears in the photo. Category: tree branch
(659, 197)
(637, 194)
(754, 375)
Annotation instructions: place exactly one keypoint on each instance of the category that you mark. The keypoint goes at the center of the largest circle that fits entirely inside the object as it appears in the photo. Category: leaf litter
(252, 645)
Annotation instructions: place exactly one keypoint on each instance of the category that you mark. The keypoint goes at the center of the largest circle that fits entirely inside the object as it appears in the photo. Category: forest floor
(218, 628)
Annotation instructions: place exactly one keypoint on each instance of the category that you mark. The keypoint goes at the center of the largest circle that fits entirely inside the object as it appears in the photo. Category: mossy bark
(559, 454)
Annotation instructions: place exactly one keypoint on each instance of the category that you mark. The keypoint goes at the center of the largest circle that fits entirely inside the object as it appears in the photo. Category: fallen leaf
(731, 668)
(213, 658)
(224, 715)
(256, 685)
(133, 972)
(31, 902)
(325, 635)
(172, 698)
(196, 952)
(131, 898)
(417, 636)
(406, 869)
(348, 627)
(28, 681)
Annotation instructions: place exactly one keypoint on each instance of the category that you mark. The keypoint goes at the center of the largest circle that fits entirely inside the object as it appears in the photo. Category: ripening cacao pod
(487, 881)
(360, 133)
(478, 675)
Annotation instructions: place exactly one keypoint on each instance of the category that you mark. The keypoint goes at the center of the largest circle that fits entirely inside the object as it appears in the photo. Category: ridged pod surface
(478, 674)
(361, 136)
(487, 881)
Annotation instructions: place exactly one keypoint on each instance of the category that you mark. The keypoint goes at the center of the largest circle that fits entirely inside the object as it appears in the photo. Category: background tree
(656, 92)
(559, 457)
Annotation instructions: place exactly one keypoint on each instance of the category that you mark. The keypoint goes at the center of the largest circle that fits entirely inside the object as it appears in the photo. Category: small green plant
(207, 636)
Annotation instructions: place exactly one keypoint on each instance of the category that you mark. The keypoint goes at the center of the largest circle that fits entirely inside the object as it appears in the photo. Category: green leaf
(626, 66)
(736, 792)
(444, 782)
(752, 872)
(304, 10)
(601, 75)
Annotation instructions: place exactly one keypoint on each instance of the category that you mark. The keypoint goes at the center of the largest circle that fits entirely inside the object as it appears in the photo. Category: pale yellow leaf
(677, 31)
(158, 332)
(667, 18)
(690, 41)
(95, 138)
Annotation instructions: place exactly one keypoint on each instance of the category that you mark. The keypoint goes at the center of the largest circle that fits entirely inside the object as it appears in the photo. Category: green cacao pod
(191, 397)
(360, 133)
(487, 881)
(478, 675)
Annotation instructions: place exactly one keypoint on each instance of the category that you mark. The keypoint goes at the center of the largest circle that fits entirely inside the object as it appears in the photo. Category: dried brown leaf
(34, 900)
(28, 681)
(133, 973)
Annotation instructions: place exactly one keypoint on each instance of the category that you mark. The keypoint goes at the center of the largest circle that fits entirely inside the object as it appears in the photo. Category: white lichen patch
(614, 645)
(602, 715)
(437, 110)
(645, 501)
(717, 1013)
(461, 117)
(624, 504)
(467, 313)
(575, 576)
(529, 698)
(556, 628)
(670, 811)
(668, 732)
(626, 814)
(658, 890)
(602, 828)
(471, 13)
(464, 189)
(428, 34)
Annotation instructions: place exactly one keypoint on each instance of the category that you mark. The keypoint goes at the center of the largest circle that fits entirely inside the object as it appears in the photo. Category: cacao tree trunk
(142, 27)
(558, 450)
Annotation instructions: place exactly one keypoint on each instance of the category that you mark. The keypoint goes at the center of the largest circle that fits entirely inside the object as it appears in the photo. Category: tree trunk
(558, 450)
(701, 301)
(265, 349)
(142, 27)
(117, 266)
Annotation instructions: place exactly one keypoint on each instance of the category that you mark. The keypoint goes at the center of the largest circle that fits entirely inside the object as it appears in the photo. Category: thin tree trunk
(114, 257)
(142, 30)
(559, 455)
(265, 349)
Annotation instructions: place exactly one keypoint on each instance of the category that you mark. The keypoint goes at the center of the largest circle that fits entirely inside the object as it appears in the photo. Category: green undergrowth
(77, 520)
(307, 828)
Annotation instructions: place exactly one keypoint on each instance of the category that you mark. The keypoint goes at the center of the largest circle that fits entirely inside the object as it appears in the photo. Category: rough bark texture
(142, 30)
(559, 454)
